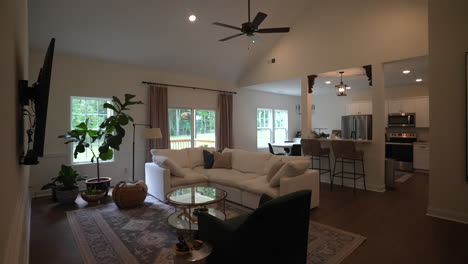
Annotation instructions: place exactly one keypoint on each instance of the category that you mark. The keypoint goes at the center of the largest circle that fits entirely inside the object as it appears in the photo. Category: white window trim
(70, 146)
(272, 133)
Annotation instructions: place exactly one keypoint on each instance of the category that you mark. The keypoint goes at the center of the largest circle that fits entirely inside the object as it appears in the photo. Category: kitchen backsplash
(423, 133)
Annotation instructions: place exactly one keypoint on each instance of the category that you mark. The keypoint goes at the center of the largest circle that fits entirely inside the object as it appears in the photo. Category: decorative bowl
(94, 197)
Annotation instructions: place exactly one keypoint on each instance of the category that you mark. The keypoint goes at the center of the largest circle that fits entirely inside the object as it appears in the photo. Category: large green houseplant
(65, 186)
(107, 138)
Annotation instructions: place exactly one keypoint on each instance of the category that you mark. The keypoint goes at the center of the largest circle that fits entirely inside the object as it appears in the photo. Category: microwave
(402, 120)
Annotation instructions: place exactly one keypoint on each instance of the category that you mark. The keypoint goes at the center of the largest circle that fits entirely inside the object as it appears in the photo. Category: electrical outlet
(125, 170)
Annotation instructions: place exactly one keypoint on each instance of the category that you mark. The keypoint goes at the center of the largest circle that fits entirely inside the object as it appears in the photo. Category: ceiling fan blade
(259, 19)
(231, 37)
(225, 25)
(273, 30)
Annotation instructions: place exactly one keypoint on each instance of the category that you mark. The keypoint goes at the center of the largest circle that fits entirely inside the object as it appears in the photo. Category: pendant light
(341, 88)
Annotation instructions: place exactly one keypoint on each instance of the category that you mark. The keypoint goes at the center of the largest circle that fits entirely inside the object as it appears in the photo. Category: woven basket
(129, 195)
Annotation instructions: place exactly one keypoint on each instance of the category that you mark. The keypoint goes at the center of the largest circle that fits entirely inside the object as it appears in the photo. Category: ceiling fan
(251, 27)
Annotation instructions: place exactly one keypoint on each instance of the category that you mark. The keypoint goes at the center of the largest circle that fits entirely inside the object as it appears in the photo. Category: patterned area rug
(108, 235)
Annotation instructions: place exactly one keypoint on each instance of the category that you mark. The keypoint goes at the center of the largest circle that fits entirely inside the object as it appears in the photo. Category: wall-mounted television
(37, 97)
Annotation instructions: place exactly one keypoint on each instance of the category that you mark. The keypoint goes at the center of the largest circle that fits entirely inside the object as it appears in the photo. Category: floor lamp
(148, 133)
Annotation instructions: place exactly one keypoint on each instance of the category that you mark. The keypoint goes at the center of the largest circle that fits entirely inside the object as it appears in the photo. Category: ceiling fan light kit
(250, 28)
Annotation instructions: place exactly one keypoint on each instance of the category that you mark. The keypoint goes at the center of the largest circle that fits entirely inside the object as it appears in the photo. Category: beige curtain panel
(158, 117)
(225, 121)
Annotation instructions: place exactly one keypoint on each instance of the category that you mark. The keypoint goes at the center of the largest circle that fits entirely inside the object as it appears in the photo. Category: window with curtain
(272, 126)
(90, 108)
(192, 128)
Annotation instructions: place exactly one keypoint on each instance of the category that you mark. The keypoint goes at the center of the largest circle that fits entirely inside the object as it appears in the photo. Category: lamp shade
(152, 133)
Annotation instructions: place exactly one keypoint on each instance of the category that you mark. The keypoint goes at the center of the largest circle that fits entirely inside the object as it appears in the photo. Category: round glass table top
(193, 196)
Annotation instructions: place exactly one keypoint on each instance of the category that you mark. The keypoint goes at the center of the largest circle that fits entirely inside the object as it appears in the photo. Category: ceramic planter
(66, 196)
(103, 184)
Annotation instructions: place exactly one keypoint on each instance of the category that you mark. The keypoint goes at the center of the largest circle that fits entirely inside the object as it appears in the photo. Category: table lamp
(148, 133)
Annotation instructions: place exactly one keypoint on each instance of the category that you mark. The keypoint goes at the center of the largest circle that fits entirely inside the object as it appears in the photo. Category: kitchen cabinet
(422, 112)
(419, 106)
(421, 156)
(401, 106)
(359, 108)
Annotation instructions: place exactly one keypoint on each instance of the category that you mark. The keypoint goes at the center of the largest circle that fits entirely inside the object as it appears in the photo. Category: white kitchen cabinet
(359, 108)
(421, 156)
(401, 106)
(422, 112)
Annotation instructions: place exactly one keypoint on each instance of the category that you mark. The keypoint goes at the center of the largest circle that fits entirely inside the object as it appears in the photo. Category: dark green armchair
(276, 232)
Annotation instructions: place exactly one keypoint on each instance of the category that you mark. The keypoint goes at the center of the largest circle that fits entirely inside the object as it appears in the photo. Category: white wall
(245, 115)
(448, 42)
(14, 197)
(336, 34)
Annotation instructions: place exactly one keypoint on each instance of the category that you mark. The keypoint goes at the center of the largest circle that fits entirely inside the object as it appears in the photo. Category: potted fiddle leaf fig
(65, 184)
(103, 141)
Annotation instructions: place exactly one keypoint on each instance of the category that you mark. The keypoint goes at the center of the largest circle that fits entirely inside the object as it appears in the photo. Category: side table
(196, 256)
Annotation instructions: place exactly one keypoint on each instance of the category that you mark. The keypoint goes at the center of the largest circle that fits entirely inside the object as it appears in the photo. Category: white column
(306, 108)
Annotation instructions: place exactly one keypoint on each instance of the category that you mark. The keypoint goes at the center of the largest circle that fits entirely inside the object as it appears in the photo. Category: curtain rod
(189, 87)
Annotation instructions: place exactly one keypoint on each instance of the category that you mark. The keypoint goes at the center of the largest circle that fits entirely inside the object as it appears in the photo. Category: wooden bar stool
(313, 148)
(345, 152)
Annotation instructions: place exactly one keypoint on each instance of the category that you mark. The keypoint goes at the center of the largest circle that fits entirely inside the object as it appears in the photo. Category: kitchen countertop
(353, 140)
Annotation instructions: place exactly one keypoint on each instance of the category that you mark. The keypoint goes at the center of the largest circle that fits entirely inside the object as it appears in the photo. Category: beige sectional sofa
(244, 183)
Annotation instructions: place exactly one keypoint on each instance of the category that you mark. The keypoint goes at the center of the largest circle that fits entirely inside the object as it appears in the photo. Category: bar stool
(345, 152)
(313, 148)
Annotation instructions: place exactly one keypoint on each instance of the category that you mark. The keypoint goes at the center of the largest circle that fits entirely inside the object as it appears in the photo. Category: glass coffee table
(191, 201)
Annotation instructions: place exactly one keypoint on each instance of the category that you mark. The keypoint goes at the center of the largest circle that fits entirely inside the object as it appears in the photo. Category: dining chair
(273, 152)
(296, 150)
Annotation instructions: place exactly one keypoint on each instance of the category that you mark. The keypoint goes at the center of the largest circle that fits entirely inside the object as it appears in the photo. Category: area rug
(108, 235)
(402, 176)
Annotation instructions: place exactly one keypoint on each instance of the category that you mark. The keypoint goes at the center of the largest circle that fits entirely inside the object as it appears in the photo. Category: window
(272, 126)
(192, 128)
(91, 108)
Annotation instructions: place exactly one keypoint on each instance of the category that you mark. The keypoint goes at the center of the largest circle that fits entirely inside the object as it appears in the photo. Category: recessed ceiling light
(327, 82)
(192, 18)
(406, 71)
(419, 80)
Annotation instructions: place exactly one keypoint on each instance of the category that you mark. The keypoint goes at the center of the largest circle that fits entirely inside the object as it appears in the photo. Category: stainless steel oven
(402, 120)
(399, 147)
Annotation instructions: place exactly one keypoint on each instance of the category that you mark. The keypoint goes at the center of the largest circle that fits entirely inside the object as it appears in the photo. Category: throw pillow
(222, 160)
(274, 169)
(166, 163)
(208, 159)
(290, 169)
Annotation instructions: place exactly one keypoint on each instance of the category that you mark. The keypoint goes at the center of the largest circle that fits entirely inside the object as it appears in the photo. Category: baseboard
(456, 216)
(17, 250)
(359, 185)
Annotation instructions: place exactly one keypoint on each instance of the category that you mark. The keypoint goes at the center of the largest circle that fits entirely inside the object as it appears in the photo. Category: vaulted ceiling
(157, 33)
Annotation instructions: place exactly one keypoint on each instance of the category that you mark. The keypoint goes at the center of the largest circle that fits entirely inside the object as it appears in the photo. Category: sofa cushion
(191, 177)
(167, 163)
(247, 161)
(290, 169)
(208, 158)
(274, 169)
(178, 156)
(222, 160)
(275, 158)
(231, 178)
(259, 186)
(195, 156)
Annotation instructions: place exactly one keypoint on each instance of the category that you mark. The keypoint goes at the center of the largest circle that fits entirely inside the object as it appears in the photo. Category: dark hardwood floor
(395, 224)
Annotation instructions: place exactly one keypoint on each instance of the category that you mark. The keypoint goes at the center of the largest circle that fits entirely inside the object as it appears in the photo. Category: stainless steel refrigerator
(356, 127)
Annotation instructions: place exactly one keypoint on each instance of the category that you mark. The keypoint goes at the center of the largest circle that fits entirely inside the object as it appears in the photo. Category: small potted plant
(107, 138)
(65, 184)
(91, 195)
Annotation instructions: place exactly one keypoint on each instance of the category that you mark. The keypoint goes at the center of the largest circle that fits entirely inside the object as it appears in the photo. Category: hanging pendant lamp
(341, 88)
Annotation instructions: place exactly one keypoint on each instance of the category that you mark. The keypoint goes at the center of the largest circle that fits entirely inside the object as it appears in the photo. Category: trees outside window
(192, 128)
(272, 126)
